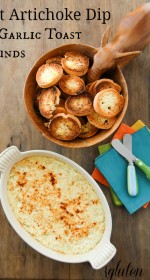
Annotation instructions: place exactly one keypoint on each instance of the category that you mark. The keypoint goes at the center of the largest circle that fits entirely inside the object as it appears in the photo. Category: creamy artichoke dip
(56, 205)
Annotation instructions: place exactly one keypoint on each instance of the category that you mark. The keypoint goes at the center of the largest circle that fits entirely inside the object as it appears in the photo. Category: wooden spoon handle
(131, 36)
(133, 32)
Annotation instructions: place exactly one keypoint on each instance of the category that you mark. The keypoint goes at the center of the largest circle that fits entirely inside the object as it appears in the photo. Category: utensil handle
(132, 182)
(131, 36)
(145, 168)
(7, 157)
(133, 31)
(102, 255)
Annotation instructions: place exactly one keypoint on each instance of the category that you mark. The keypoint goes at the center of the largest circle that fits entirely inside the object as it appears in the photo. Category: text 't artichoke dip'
(56, 205)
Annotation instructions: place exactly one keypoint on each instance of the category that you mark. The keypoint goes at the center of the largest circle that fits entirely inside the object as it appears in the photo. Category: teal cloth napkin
(114, 168)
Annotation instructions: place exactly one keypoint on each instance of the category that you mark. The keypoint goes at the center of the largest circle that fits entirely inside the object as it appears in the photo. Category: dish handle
(102, 255)
(7, 157)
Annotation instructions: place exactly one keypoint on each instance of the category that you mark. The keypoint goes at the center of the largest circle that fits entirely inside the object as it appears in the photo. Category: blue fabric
(114, 168)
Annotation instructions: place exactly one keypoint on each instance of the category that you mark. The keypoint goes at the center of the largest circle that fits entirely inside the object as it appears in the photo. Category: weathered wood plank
(130, 234)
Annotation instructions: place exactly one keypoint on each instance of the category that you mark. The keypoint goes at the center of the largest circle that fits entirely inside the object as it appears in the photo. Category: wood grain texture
(130, 234)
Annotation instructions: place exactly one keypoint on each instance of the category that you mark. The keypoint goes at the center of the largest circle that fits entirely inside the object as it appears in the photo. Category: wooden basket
(38, 121)
(127, 42)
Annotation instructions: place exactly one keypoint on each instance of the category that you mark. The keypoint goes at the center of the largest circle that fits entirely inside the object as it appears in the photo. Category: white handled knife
(132, 183)
(120, 148)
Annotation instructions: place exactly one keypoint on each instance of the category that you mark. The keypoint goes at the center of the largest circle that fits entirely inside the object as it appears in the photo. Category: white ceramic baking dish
(104, 250)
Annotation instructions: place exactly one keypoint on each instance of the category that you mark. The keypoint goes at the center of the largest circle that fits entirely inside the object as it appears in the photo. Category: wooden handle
(133, 32)
(131, 36)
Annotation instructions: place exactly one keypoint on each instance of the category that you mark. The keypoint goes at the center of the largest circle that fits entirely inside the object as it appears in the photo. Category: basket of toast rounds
(76, 95)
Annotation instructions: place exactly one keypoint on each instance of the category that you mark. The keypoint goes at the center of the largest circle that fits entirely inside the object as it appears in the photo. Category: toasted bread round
(92, 86)
(87, 87)
(72, 85)
(79, 105)
(36, 99)
(48, 75)
(47, 124)
(48, 100)
(60, 108)
(75, 63)
(105, 84)
(55, 59)
(108, 103)
(65, 127)
(88, 130)
(100, 121)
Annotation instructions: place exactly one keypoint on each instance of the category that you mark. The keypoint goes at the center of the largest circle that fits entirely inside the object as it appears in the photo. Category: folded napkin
(114, 168)
(123, 129)
(97, 175)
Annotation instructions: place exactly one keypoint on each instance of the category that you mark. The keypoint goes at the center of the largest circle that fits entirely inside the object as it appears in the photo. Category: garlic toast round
(72, 85)
(60, 108)
(65, 127)
(36, 99)
(75, 63)
(49, 74)
(108, 103)
(105, 84)
(48, 100)
(88, 130)
(92, 86)
(100, 121)
(87, 87)
(79, 105)
(55, 59)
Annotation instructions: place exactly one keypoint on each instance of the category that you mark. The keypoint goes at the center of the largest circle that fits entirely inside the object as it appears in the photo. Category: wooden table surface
(130, 234)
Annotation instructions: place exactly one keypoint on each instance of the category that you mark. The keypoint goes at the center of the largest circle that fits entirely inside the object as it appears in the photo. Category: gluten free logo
(121, 271)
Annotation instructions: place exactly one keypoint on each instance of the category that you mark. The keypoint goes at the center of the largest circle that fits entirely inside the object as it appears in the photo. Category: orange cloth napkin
(98, 176)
